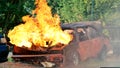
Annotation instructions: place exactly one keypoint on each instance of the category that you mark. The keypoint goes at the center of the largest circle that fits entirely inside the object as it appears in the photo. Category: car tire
(75, 58)
(103, 53)
(72, 57)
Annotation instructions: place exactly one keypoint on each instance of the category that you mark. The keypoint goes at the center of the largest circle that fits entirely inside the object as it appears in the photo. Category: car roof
(93, 24)
(73, 25)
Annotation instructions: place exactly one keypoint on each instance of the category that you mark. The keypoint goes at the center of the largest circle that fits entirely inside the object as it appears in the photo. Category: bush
(69, 10)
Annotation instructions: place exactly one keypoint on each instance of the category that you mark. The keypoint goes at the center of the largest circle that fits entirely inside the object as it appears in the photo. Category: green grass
(10, 59)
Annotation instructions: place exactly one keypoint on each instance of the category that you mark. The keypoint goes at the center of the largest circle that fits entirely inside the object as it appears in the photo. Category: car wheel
(72, 57)
(103, 53)
(75, 58)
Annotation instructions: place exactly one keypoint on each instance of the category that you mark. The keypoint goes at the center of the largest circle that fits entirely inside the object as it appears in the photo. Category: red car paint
(88, 42)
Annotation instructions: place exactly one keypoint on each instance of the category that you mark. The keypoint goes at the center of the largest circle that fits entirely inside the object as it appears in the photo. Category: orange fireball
(41, 30)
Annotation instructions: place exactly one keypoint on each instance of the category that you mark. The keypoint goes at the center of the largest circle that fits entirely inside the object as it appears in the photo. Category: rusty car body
(88, 42)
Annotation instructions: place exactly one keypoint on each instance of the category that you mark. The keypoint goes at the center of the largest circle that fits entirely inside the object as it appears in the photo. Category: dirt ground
(112, 61)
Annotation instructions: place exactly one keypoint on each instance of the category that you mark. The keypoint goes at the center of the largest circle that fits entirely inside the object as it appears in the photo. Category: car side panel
(90, 48)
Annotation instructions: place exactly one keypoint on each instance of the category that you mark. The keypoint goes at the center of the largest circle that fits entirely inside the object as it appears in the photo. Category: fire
(42, 29)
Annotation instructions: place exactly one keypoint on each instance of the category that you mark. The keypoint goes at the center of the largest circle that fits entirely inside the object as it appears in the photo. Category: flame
(42, 29)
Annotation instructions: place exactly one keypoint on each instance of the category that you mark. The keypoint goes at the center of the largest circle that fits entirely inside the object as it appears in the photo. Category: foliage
(77, 10)
(11, 12)
(113, 15)
(69, 11)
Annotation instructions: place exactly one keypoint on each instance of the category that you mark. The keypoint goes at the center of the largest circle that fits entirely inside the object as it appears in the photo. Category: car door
(96, 42)
(90, 43)
(84, 44)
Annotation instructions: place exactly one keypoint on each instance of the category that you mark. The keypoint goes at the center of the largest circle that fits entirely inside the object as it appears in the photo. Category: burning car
(41, 39)
(88, 42)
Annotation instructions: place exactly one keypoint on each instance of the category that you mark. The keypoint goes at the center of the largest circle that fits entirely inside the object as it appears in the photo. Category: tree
(81, 10)
(11, 12)
(69, 10)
